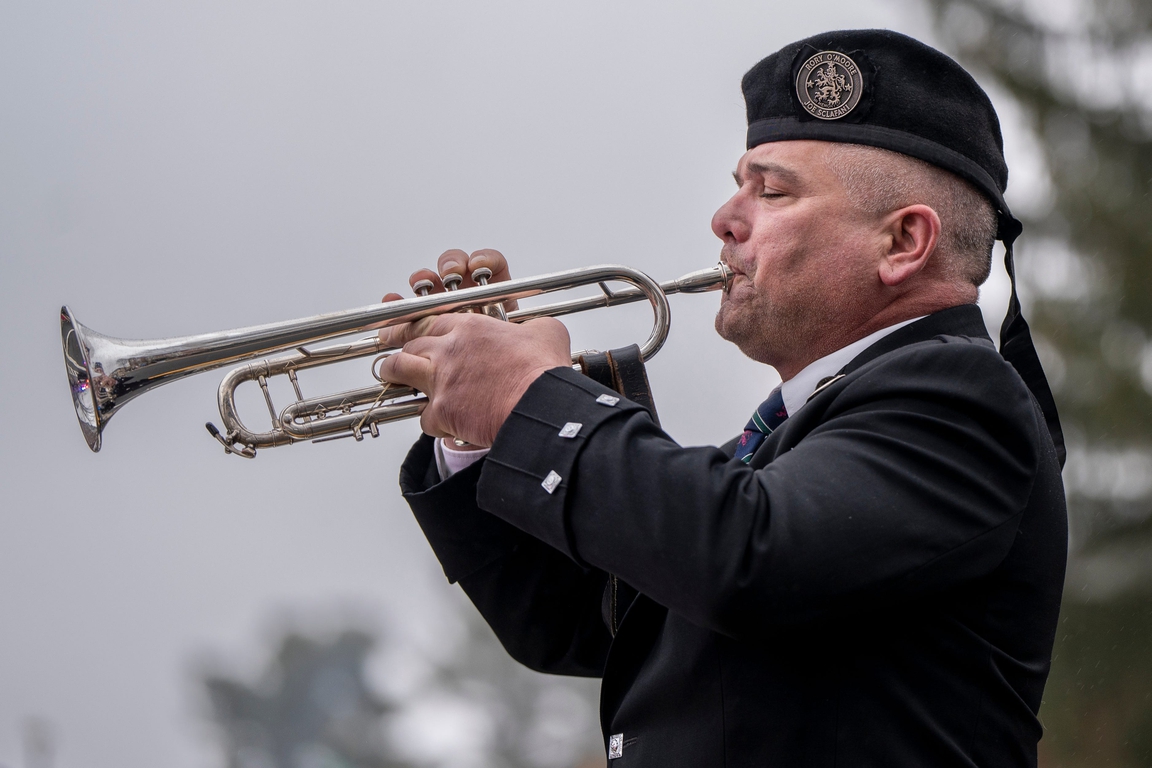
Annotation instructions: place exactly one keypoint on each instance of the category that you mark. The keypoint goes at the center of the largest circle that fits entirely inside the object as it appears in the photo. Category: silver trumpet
(104, 373)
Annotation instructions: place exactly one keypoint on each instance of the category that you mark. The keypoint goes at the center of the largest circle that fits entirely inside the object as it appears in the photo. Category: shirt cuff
(449, 461)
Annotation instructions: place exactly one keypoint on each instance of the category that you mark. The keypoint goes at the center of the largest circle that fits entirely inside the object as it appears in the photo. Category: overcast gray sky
(168, 169)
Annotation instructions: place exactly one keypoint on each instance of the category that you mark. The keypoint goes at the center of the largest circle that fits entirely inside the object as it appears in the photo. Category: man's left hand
(473, 368)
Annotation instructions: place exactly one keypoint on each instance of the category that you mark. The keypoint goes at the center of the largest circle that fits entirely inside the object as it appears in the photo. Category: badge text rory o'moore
(829, 85)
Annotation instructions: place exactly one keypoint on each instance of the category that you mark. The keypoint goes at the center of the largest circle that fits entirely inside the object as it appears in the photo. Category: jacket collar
(964, 320)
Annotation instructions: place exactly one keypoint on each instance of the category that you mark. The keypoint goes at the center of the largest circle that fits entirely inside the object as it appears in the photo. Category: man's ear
(913, 233)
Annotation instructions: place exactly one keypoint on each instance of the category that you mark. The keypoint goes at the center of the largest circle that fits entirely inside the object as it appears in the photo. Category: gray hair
(880, 181)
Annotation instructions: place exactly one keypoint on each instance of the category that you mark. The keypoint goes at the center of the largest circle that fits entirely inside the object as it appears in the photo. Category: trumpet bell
(104, 373)
(79, 370)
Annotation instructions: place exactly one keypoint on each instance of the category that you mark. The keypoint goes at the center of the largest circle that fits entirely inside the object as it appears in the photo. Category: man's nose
(728, 224)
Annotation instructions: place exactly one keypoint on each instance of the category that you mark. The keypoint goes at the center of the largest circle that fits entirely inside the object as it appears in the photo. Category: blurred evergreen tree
(537, 720)
(311, 709)
(1082, 72)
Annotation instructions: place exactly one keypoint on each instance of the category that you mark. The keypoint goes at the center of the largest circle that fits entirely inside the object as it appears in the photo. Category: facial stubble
(797, 326)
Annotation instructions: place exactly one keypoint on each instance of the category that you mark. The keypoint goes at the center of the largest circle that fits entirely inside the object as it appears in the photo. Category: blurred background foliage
(318, 705)
(311, 708)
(1081, 73)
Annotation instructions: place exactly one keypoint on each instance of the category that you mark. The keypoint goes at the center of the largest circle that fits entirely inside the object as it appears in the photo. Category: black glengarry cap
(883, 89)
(887, 90)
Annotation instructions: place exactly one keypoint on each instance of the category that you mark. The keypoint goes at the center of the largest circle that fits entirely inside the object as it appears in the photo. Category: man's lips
(732, 263)
(738, 285)
(738, 278)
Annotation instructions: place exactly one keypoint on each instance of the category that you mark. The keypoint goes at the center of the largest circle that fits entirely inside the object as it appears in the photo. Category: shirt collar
(800, 387)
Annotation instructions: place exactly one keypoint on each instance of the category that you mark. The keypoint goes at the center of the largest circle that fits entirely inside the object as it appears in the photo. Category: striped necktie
(770, 415)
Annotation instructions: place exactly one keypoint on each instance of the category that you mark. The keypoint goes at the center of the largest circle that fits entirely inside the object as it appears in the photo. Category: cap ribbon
(1017, 347)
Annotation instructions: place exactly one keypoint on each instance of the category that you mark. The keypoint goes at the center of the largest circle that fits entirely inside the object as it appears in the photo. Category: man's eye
(771, 195)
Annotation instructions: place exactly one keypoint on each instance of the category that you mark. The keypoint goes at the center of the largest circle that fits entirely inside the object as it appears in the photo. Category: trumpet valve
(423, 287)
(481, 276)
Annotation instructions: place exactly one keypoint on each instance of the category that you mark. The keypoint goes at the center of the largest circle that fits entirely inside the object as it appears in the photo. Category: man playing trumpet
(870, 574)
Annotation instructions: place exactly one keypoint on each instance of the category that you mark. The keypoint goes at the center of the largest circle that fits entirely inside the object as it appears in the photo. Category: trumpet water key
(104, 373)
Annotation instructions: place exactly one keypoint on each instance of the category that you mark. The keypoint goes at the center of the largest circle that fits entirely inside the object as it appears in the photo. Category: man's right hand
(472, 369)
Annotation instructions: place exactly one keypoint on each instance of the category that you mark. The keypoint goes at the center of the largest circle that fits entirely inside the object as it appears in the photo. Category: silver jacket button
(551, 481)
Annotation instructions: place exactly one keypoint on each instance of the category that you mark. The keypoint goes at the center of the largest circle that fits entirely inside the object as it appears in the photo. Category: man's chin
(734, 330)
(750, 334)
(720, 324)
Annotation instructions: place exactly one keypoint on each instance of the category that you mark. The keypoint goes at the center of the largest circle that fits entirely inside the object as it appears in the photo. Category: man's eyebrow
(785, 174)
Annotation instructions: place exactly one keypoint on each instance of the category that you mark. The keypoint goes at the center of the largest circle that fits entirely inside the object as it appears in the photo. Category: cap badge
(829, 85)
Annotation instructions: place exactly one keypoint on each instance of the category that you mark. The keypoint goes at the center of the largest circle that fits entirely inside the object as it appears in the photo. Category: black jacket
(879, 587)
